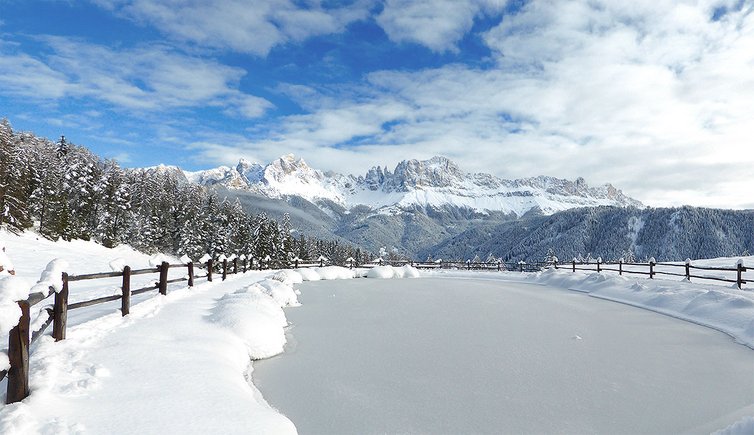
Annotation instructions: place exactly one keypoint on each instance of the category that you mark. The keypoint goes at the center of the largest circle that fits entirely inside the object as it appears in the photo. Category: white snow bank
(334, 272)
(255, 318)
(117, 264)
(387, 272)
(12, 290)
(5, 262)
(308, 274)
(52, 277)
(410, 272)
(282, 293)
(729, 310)
(289, 277)
(381, 272)
(744, 426)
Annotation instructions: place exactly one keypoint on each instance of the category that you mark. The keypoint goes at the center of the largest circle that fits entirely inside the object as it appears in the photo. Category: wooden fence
(652, 268)
(19, 338)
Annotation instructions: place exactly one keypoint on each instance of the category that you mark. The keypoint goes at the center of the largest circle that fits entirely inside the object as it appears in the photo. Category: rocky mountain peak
(289, 165)
(435, 172)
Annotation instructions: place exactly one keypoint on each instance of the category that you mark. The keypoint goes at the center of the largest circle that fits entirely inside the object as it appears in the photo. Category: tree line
(64, 191)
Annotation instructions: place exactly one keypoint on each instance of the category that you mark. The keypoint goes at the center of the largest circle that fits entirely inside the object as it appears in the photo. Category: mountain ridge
(436, 182)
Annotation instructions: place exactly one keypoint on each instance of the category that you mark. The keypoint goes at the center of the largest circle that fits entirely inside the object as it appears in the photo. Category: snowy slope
(436, 182)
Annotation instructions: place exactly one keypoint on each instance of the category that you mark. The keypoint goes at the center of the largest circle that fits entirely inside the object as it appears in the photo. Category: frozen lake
(445, 355)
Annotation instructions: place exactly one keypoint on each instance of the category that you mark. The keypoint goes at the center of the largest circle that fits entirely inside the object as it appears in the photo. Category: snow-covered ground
(181, 363)
(452, 355)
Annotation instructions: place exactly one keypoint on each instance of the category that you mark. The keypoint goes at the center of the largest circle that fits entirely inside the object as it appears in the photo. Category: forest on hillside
(62, 190)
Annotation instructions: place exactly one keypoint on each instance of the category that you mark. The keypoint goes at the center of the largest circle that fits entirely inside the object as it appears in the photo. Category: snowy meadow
(453, 351)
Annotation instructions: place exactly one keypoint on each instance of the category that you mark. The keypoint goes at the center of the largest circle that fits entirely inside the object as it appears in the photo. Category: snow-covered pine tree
(14, 182)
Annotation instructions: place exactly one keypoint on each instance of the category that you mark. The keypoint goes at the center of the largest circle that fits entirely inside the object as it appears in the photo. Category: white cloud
(438, 24)
(248, 26)
(654, 97)
(150, 77)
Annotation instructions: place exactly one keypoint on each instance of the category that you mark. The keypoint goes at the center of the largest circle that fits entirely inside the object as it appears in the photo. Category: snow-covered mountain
(435, 183)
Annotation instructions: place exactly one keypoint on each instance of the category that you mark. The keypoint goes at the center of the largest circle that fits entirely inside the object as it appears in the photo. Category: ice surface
(485, 356)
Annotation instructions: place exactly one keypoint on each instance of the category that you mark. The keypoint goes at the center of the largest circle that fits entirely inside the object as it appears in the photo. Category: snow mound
(12, 290)
(334, 272)
(283, 294)
(255, 318)
(388, 272)
(117, 265)
(381, 272)
(51, 278)
(410, 272)
(185, 259)
(289, 277)
(308, 274)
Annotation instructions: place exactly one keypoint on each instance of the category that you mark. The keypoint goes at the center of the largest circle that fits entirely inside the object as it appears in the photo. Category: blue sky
(652, 96)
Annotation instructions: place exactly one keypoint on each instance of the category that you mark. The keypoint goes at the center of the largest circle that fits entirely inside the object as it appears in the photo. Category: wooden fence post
(521, 265)
(573, 264)
(740, 269)
(235, 265)
(125, 301)
(599, 261)
(190, 270)
(209, 270)
(243, 264)
(18, 355)
(163, 285)
(225, 268)
(688, 270)
(60, 311)
(620, 267)
(651, 268)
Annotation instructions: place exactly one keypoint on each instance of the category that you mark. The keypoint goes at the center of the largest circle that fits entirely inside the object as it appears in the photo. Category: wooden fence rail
(651, 270)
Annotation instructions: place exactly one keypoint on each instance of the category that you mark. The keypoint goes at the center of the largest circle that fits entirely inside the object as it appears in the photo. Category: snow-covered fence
(651, 268)
(521, 266)
(19, 338)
